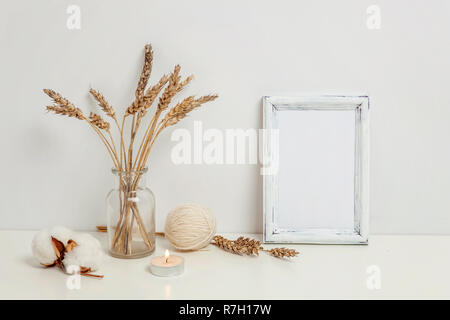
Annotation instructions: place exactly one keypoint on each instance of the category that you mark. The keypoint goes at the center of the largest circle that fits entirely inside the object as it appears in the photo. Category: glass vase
(131, 215)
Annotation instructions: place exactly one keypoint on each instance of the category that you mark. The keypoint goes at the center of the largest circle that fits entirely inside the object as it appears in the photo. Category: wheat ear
(147, 102)
(149, 97)
(282, 252)
(180, 111)
(65, 107)
(251, 247)
(170, 91)
(146, 71)
(109, 110)
(98, 121)
(164, 100)
(138, 102)
(103, 104)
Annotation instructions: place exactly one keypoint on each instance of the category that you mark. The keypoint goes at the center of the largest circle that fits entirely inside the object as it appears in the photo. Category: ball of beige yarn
(190, 227)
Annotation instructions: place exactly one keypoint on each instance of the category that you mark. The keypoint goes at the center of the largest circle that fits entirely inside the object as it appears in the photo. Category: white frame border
(272, 234)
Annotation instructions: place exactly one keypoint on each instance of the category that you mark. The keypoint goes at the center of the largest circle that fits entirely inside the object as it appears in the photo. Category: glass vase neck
(136, 178)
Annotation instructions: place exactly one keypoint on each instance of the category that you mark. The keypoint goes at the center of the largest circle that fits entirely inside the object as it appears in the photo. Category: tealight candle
(167, 265)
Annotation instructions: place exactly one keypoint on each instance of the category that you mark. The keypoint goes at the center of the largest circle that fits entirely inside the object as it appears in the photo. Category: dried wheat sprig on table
(230, 246)
(282, 252)
(250, 247)
(253, 246)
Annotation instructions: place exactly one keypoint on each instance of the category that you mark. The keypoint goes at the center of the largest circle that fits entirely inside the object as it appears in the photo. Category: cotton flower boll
(63, 234)
(42, 247)
(88, 252)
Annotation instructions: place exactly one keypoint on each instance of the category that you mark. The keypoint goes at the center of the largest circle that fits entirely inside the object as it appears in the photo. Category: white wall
(54, 170)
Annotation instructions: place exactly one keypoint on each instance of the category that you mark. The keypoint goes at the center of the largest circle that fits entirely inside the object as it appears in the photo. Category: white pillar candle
(167, 265)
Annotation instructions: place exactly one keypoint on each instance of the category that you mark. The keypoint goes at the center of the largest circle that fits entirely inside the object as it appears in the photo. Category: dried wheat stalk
(63, 106)
(66, 112)
(125, 161)
(230, 246)
(146, 70)
(98, 121)
(67, 108)
(182, 109)
(148, 98)
(153, 92)
(109, 110)
(282, 252)
(104, 105)
(250, 247)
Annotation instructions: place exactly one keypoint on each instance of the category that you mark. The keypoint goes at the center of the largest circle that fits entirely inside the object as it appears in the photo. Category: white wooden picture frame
(320, 195)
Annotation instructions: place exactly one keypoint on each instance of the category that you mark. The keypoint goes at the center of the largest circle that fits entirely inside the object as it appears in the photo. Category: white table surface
(410, 267)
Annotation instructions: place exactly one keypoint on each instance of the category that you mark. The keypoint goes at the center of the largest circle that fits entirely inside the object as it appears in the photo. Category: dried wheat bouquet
(128, 155)
(122, 152)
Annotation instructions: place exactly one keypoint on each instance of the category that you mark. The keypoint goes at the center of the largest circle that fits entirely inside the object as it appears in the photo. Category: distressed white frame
(360, 234)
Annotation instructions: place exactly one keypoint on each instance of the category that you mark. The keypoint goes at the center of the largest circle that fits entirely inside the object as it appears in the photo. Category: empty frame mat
(317, 193)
